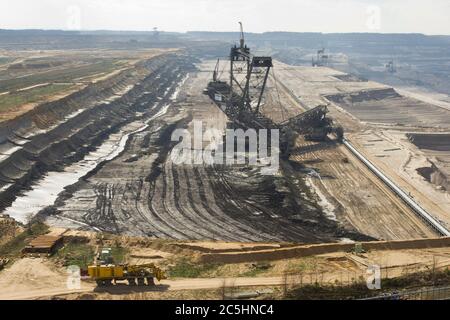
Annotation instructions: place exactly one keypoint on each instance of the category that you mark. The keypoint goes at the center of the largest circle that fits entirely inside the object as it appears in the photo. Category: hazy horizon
(324, 16)
(224, 31)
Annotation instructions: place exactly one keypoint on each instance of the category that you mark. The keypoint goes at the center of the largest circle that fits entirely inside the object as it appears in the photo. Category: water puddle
(327, 207)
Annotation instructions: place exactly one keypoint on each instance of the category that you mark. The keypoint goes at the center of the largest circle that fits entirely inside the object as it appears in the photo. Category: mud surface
(143, 192)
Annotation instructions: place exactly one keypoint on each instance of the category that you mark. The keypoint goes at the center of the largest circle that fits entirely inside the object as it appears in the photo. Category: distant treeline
(328, 40)
(46, 39)
(58, 39)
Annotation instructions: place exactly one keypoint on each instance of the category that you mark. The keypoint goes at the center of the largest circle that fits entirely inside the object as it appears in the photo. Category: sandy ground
(358, 198)
(378, 127)
(347, 190)
(392, 152)
(33, 278)
(30, 278)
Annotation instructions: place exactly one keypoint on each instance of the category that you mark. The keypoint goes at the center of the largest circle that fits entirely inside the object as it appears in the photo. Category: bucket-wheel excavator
(241, 99)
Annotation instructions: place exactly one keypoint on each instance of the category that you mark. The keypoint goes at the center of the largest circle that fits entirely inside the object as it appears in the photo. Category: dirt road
(34, 278)
(31, 278)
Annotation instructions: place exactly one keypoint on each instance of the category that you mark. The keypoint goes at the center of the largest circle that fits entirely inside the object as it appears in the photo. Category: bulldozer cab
(105, 256)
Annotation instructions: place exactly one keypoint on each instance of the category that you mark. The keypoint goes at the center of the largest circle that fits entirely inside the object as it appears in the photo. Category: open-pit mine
(87, 149)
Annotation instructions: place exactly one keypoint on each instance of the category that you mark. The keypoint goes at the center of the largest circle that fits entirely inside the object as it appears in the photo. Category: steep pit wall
(50, 114)
(362, 96)
(59, 133)
(439, 146)
(387, 107)
(430, 141)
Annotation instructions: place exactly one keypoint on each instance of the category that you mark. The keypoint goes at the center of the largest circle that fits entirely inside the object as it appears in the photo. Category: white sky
(402, 16)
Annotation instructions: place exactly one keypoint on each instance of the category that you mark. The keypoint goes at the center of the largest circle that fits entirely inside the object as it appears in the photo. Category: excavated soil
(142, 192)
(386, 106)
(436, 142)
(437, 147)
(56, 134)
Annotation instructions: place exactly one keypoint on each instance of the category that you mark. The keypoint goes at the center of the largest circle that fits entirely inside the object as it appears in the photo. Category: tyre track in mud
(156, 203)
(210, 199)
(275, 227)
(162, 228)
(208, 203)
(159, 203)
(154, 197)
(242, 228)
(188, 185)
(143, 217)
(105, 207)
(185, 215)
(132, 198)
(228, 193)
(156, 206)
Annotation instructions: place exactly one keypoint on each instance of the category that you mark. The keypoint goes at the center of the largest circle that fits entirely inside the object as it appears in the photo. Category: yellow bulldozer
(106, 273)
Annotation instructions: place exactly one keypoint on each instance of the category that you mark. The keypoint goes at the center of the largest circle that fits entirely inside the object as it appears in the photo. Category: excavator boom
(242, 39)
